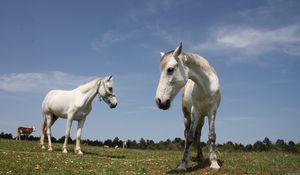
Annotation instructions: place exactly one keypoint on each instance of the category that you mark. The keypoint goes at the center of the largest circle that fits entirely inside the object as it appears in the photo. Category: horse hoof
(65, 151)
(215, 166)
(43, 147)
(79, 152)
(180, 169)
(50, 149)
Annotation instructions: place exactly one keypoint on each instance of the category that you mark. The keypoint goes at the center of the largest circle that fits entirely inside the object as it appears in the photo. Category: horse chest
(82, 112)
(204, 103)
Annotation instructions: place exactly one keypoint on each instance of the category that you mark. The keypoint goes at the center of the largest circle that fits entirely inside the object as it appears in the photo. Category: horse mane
(201, 62)
(89, 85)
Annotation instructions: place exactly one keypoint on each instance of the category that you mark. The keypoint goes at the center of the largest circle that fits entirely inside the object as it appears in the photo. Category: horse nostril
(113, 106)
(168, 102)
(158, 101)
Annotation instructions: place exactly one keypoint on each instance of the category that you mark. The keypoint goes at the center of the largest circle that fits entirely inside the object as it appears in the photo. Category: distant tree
(108, 142)
(291, 143)
(267, 143)
(178, 144)
(291, 147)
(98, 143)
(8, 136)
(229, 146)
(131, 144)
(31, 138)
(53, 139)
(161, 145)
(115, 142)
(259, 146)
(280, 144)
(249, 148)
(62, 140)
(142, 144)
(239, 147)
(2, 135)
(150, 144)
(177, 140)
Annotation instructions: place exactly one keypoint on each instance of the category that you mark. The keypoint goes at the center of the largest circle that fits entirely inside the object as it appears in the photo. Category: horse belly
(187, 97)
(58, 103)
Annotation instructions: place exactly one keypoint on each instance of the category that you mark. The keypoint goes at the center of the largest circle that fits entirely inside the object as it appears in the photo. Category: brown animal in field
(24, 131)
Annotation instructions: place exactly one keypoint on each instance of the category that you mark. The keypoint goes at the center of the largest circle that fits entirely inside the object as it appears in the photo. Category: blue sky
(253, 45)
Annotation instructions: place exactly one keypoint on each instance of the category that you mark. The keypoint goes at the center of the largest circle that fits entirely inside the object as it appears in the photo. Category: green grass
(23, 157)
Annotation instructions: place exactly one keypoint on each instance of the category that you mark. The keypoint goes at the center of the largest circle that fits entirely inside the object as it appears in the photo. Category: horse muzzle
(113, 105)
(163, 105)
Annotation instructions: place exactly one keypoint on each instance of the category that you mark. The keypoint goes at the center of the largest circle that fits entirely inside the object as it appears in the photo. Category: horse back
(57, 101)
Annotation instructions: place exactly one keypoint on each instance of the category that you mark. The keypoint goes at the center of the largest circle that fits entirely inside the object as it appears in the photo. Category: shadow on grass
(201, 164)
(105, 155)
(94, 154)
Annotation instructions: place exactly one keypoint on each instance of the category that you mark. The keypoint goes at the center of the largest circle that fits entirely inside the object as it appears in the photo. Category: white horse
(201, 97)
(72, 105)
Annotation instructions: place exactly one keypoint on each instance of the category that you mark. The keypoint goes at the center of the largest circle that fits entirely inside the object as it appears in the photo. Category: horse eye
(110, 89)
(170, 70)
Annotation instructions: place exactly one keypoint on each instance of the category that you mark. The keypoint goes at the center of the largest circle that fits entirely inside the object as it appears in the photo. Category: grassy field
(23, 157)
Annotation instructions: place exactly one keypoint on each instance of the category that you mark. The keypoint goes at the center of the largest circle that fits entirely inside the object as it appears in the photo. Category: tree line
(178, 144)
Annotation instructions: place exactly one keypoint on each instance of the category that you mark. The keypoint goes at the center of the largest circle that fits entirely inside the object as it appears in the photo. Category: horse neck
(199, 70)
(89, 90)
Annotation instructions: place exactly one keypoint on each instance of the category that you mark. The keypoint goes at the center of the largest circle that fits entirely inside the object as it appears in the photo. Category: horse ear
(178, 50)
(162, 54)
(109, 78)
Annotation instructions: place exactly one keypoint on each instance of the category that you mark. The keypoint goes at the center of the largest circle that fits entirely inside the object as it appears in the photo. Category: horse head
(106, 91)
(173, 76)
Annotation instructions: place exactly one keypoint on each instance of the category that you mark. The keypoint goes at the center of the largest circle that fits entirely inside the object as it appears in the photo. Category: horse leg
(187, 124)
(69, 125)
(18, 134)
(78, 137)
(189, 140)
(212, 142)
(197, 137)
(44, 130)
(49, 118)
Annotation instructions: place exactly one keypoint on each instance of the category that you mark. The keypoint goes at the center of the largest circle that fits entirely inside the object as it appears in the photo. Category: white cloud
(292, 50)
(108, 39)
(249, 41)
(40, 82)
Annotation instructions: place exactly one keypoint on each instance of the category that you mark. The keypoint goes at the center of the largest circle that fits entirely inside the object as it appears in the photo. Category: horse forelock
(89, 85)
(167, 54)
(165, 58)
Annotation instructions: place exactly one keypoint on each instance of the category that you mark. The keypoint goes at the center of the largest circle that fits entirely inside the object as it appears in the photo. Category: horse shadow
(201, 165)
(96, 154)
(105, 155)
